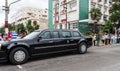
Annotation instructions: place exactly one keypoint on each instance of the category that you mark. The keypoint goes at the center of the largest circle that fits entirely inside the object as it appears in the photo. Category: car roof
(55, 30)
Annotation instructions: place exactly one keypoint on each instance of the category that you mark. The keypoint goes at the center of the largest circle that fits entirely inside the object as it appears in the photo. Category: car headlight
(0, 46)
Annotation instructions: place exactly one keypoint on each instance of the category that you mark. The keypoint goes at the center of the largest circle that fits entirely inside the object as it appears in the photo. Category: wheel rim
(83, 48)
(19, 56)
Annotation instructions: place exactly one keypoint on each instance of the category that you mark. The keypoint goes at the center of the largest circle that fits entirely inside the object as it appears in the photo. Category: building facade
(74, 14)
(33, 14)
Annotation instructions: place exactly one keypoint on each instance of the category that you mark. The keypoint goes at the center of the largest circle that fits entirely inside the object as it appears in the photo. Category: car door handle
(50, 41)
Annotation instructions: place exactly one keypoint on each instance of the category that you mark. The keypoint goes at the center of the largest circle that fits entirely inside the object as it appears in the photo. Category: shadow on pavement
(47, 56)
(56, 55)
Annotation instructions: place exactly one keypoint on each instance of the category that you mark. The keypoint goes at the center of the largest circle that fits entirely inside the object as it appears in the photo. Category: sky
(16, 6)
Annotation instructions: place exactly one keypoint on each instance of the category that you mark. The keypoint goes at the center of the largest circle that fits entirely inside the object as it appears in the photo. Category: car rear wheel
(82, 48)
(18, 55)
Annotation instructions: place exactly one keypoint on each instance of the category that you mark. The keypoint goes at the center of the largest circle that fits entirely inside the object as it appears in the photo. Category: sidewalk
(110, 45)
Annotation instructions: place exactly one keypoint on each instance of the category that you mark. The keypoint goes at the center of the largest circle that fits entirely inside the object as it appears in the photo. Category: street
(103, 58)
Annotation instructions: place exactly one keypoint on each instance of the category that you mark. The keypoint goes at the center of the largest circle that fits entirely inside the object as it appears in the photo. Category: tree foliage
(29, 26)
(2, 30)
(95, 14)
(115, 13)
(21, 28)
(107, 27)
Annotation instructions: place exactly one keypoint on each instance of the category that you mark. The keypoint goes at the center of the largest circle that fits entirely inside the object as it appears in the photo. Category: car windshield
(31, 35)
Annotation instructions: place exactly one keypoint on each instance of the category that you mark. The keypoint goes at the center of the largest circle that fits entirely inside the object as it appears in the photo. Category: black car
(39, 42)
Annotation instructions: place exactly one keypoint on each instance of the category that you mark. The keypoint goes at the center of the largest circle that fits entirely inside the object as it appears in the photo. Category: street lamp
(6, 13)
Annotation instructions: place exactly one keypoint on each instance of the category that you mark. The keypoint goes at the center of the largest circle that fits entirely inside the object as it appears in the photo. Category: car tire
(82, 48)
(18, 56)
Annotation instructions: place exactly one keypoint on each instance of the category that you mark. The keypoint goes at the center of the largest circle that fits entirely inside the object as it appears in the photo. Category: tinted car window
(66, 34)
(76, 34)
(45, 35)
(31, 35)
(55, 34)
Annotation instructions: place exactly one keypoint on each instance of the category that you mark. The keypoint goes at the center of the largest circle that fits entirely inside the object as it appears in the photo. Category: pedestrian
(98, 39)
(103, 39)
(94, 39)
(106, 39)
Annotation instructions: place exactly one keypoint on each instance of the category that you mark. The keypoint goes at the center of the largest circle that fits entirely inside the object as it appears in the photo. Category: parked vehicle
(39, 42)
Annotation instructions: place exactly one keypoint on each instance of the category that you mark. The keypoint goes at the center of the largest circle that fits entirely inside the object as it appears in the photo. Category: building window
(105, 1)
(44, 15)
(73, 5)
(45, 11)
(99, 0)
(74, 26)
(93, 5)
(99, 6)
(105, 17)
(105, 9)
(29, 13)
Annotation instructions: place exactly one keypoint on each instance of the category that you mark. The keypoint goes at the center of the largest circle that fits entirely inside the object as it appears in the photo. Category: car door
(63, 43)
(57, 40)
(45, 43)
(76, 36)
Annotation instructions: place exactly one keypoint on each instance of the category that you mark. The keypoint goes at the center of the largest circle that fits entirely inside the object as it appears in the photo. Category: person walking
(103, 39)
(94, 39)
(98, 39)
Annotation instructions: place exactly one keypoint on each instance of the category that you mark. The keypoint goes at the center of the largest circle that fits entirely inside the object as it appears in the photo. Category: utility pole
(6, 8)
(6, 16)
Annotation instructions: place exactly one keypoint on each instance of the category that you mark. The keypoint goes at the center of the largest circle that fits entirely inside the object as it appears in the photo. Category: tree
(2, 30)
(36, 26)
(95, 16)
(10, 27)
(115, 13)
(29, 26)
(108, 27)
(21, 28)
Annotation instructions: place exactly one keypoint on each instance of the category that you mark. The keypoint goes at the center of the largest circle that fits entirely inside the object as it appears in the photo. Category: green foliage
(36, 27)
(20, 28)
(115, 13)
(2, 30)
(10, 27)
(29, 26)
(95, 14)
(108, 26)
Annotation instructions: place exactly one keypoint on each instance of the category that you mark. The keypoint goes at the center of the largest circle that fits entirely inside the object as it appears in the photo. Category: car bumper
(3, 56)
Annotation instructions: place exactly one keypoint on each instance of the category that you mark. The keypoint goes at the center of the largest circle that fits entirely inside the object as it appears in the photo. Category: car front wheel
(82, 48)
(18, 56)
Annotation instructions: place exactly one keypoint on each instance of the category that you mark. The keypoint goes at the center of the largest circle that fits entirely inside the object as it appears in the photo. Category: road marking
(19, 66)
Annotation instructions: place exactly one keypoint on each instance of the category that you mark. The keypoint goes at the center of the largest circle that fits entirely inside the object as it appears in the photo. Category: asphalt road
(105, 58)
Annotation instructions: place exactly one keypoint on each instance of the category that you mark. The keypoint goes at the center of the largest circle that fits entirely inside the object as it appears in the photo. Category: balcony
(56, 22)
(64, 11)
(56, 13)
(64, 20)
(57, 5)
(63, 2)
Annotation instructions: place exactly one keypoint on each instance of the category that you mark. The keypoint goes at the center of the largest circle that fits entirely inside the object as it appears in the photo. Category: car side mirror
(39, 38)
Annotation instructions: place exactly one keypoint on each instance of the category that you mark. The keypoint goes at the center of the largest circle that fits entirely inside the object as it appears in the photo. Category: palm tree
(95, 14)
